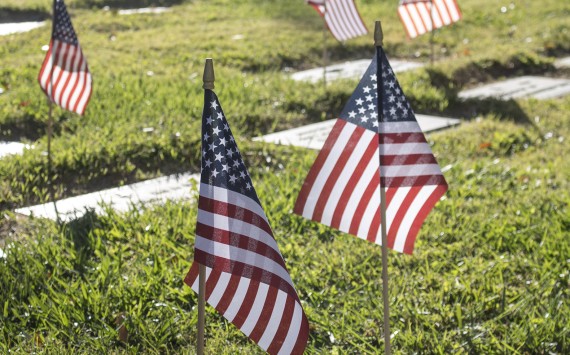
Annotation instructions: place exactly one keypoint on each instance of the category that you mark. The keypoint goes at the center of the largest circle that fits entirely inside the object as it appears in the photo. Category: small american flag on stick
(246, 278)
(64, 76)
(342, 189)
(342, 18)
(421, 16)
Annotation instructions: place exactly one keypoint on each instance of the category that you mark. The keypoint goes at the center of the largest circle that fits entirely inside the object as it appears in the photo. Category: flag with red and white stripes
(421, 16)
(64, 76)
(246, 278)
(342, 189)
(342, 18)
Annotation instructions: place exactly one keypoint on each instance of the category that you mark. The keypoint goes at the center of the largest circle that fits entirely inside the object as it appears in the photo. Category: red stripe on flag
(238, 240)
(245, 270)
(409, 159)
(192, 274)
(364, 201)
(77, 80)
(404, 137)
(212, 282)
(316, 168)
(246, 305)
(351, 184)
(80, 97)
(421, 180)
(403, 208)
(71, 73)
(375, 227)
(335, 173)
(232, 211)
(281, 334)
(421, 216)
(229, 293)
(303, 336)
(265, 316)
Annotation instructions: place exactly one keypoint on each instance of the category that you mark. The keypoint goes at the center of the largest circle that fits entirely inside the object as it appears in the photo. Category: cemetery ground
(491, 268)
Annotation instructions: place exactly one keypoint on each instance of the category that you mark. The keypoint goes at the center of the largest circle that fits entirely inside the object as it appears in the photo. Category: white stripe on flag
(274, 321)
(369, 214)
(256, 309)
(232, 225)
(411, 214)
(345, 175)
(410, 170)
(408, 23)
(405, 148)
(218, 291)
(234, 198)
(400, 127)
(293, 333)
(326, 169)
(247, 257)
(395, 203)
(237, 299)
(370, 173)
(453, 10)
(443, 11)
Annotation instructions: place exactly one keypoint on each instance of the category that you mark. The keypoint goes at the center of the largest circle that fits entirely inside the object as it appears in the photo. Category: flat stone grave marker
(144, 10)
(313, 136)
(562, 63)
(19, 27)
(352, 69)
(121, 199)
(11, 148)
(522, 87)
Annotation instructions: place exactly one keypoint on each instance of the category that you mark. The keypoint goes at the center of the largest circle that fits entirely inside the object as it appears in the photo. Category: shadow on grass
(26, 128)
(78, 231)
(127, 4)
(15, 16)
(508, 110)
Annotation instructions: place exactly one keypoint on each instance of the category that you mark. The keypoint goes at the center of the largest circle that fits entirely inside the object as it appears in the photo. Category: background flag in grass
(64, 76)
(421, 16)
(246, 278)
(342, 18)
(342, 189)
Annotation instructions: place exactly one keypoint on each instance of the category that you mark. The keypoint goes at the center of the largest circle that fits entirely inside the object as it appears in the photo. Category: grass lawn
(491, 268)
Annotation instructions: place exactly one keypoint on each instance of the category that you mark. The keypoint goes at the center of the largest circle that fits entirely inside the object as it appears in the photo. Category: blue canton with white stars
(362, 108)
(222, 165)
(62, 27)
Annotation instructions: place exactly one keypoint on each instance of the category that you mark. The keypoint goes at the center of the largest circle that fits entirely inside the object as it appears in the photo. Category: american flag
(421, 16)
(64, 76)
(342, 18)
(342, 189)
(246, 278)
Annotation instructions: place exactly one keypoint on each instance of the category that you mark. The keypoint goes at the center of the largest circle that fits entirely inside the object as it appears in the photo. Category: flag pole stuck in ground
(243, 274)
(378, 43)
(208, 78)
(64, 77)
(376, 176)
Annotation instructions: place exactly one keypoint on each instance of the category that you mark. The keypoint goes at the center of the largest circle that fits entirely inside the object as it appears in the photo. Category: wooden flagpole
(325, 52)
(431, 38)
(208, 79)
(50, 128)
(378, 39)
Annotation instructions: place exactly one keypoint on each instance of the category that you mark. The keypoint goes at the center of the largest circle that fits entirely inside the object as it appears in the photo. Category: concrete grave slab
(19, 27)
(145, 10)
(522, 87)
(11, 148)
(562, 63)
(313, 136)
(353, 69)
(121, 199)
